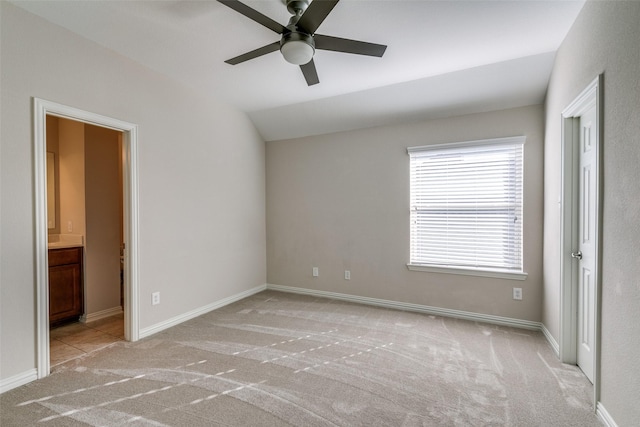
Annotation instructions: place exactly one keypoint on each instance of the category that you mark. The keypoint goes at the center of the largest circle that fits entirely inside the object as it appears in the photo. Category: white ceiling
(443, 57)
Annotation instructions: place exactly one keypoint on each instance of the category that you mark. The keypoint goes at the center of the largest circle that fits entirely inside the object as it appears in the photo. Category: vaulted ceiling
(443, 57)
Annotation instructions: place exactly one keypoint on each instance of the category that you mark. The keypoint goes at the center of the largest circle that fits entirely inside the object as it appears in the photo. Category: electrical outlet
(69, 226)
(347, 275)
(315, 272)
(517, 293)
(155, 298)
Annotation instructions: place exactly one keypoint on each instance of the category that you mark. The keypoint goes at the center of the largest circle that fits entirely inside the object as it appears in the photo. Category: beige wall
(201, 178)
(71, 135)
(103, 215)
(341, 202)
(65, 138)
(604, 39)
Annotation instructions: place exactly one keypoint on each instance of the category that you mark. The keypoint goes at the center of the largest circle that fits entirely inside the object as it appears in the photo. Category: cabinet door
(65, 292)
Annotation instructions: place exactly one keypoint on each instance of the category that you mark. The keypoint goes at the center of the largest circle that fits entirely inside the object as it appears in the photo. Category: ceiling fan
(299, 40)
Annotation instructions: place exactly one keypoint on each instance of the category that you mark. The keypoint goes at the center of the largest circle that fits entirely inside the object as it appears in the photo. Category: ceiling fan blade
(272, 47)
(255, 15)
(338, 44)
(310, 73)
(315, 14)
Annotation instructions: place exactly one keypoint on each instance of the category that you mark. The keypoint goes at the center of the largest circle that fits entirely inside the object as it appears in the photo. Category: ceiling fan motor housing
(297, 7)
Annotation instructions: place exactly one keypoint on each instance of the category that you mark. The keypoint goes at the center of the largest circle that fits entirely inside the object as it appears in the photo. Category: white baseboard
(552, 341)
(446, 312)
(92, 317)
(604, 416)
(18, 380)
(198, 312)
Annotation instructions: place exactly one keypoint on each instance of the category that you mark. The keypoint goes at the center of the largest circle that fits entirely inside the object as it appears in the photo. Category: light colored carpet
(278, 359)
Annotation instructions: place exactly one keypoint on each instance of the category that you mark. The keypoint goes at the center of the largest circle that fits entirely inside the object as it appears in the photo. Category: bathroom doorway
(97, 127)
(85, 237)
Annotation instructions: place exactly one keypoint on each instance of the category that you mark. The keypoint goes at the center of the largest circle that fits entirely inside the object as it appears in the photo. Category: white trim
(102, 314)
(41, 230)
(604, 416)
(592, 94)
(158, 327)
(18, 380)
(406, 306)
(493, 141)
(511, 275)
(131, 233)
(42, 108)
(550, 339)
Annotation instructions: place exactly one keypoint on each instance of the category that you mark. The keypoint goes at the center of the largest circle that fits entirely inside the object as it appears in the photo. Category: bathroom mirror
(51, 190)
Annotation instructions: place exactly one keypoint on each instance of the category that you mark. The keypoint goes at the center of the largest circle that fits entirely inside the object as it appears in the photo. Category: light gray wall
(341, 202)
(201, 178)
(604, 39)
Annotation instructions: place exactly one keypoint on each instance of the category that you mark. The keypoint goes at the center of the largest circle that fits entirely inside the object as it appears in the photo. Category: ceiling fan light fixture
(297, 43)
(297, 48)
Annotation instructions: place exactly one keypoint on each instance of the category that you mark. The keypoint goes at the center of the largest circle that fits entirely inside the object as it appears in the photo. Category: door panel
(587, 230)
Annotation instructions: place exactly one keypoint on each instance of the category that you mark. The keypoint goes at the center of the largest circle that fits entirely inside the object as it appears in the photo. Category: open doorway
(85, 237)
(126, 150)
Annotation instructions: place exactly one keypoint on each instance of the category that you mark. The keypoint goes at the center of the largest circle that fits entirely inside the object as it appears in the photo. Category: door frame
(590, 96)
(42, 108)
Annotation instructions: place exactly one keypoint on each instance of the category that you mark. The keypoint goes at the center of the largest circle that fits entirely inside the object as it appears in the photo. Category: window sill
(511, 275)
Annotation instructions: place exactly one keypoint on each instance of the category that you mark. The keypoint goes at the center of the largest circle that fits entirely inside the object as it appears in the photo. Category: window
(466, 207)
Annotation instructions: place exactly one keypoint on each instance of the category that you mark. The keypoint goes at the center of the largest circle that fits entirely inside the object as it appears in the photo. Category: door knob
(576, 255)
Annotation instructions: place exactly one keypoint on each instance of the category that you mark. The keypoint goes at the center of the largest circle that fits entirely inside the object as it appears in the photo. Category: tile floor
(76, 339)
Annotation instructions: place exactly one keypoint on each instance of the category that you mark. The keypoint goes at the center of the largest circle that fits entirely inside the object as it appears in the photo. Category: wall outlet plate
(315, 272)
(517, 294)
(347, 275)
(155, 298)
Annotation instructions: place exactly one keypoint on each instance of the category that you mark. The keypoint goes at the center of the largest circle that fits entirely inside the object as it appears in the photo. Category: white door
(586, 257)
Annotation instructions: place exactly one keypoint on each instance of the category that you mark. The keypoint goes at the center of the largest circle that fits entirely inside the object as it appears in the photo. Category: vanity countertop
(59, 241)
(62, 245)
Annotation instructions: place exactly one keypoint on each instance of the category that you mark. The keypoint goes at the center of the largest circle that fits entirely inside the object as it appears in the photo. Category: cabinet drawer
(65, 256)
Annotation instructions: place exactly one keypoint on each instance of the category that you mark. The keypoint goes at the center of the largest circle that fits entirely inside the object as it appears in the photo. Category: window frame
(506, 273)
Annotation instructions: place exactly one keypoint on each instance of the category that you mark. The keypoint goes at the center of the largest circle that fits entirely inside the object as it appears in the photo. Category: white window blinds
(466, 204)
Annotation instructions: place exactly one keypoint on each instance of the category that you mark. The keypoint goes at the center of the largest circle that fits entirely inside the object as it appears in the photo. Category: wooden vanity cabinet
(66, 301)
